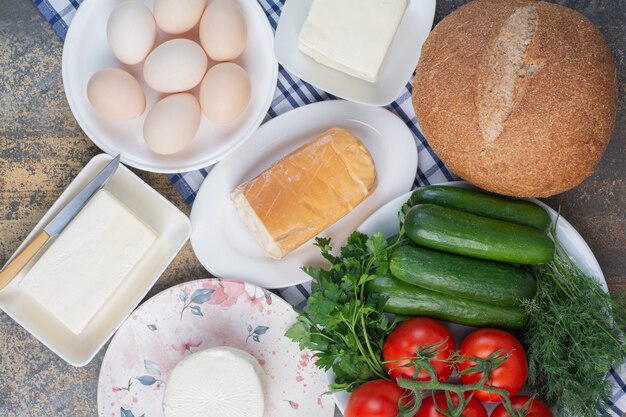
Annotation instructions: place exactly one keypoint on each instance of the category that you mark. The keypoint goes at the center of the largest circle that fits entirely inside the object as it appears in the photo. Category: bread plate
(201, 314)
(385, 221)
(221, 240)
(86, 51)
(395, 73)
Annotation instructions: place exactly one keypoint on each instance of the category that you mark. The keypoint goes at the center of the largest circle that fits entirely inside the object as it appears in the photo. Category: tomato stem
(483, 365)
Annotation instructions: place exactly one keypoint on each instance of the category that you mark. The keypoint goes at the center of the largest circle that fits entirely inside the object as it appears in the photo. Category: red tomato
(510, 375)
(404, 341)
(473, 408)
(536, 408)
(374, 399)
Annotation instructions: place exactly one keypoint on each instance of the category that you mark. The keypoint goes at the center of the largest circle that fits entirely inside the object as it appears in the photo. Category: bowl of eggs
(171, 85)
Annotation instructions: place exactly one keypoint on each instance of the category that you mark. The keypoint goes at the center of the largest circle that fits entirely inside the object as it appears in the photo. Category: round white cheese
(216, 382)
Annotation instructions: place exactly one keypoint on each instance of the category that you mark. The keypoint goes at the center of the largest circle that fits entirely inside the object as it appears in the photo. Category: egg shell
(223, 30)
(116, 94)
(174, 66)
(172, 123)
(225, 92)
(178, 16)
(131, 32)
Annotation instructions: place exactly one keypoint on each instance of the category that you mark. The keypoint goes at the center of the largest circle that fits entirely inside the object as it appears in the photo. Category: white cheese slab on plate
(352, 36)
(82, 268)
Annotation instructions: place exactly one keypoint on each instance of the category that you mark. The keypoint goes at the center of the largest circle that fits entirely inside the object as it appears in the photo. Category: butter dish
(171, 230)
(398, 65)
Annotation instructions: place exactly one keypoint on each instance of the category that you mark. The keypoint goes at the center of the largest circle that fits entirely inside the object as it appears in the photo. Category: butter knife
(57, 224)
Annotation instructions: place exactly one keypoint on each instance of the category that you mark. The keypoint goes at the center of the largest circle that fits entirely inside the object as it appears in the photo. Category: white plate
(173, 229)
(86, 51)
(385, 221)
(171, 325)
(220, 239)
(397, 68)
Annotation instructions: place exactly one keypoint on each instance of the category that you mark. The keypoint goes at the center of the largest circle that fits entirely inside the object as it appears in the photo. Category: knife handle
(15, 266)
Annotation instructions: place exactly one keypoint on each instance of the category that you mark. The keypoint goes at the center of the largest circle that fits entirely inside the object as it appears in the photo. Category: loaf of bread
(306, 191)
(517, 96)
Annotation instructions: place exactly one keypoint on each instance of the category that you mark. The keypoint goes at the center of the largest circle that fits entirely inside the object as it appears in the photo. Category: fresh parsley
(343, 324)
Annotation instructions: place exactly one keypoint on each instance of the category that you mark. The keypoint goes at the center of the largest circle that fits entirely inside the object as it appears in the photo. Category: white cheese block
(352, 36)
(216, 382)
(81, 269)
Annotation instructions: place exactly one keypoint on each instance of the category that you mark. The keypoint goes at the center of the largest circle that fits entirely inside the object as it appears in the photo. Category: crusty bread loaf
(517, 96)
(306, 191)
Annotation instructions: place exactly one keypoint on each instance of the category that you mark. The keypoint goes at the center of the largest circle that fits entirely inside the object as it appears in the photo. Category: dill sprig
(575, 333)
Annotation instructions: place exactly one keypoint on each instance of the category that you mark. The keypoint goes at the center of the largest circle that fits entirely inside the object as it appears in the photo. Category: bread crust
(564, 113)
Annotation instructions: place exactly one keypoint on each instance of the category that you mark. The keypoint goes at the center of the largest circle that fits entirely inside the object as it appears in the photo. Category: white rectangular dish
(170, 224)
(396, 70)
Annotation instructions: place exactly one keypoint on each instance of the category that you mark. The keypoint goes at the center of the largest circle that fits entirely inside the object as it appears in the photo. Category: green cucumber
(407, 299)
(466, 234)
(455, 275)
(483, 204)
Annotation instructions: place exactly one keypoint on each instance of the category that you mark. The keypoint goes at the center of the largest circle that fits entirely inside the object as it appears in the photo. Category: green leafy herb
(342, 324)
(574, 335)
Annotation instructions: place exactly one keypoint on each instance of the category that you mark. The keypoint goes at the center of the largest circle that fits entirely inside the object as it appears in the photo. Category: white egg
(223, 30)
(175, 66)
(116, 94)
(225, 92)
(178, 16)
(172, 123)
(131, 32)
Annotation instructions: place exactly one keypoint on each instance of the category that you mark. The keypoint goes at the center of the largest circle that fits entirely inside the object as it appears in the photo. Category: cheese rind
(305, 192)
(82, 268)
(215, 382)
(352, 36)
(254, 224)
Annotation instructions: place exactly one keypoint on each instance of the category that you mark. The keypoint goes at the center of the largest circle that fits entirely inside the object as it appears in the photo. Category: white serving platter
(86, 51)
(220, 239)
(170, 326)
(397, 68)
(173, 229)
(385, 221)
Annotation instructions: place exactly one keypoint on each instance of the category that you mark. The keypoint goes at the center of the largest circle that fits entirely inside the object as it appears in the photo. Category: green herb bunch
(342, 324)
(575, 333)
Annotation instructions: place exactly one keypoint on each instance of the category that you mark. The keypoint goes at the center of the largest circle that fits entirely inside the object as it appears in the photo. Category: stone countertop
(42, 148)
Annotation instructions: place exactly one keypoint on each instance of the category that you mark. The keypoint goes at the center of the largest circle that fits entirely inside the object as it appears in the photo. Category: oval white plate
(397, 68)
(220, 239)
(197, 315)
(385, 221)
(86, 51)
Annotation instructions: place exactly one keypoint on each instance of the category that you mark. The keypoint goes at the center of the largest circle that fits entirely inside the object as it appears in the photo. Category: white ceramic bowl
(173, 229)
(395, 73)
(86, 51)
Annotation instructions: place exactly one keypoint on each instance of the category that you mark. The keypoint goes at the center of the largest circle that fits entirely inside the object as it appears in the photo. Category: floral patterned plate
(201, 314)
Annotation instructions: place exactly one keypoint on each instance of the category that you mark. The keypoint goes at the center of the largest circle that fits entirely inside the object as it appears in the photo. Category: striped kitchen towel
(291, 93)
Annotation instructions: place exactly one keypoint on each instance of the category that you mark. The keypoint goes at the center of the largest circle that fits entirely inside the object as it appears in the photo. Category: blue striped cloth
(291, 92)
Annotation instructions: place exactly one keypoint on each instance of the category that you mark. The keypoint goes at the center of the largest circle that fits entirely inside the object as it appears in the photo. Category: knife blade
(58, 223)
(17, 262)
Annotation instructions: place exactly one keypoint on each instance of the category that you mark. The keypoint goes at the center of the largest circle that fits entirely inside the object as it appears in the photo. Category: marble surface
(42, 148)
